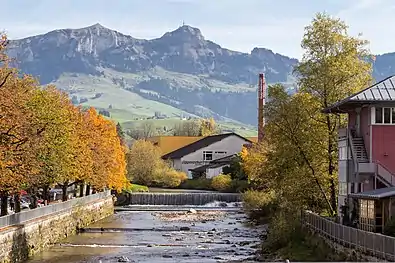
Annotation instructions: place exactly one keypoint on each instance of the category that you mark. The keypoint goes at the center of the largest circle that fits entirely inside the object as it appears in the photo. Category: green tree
(334, 65)
(290, 160)
(121, 133)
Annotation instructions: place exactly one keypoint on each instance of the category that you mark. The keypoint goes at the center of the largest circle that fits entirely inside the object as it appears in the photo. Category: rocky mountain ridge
(177, 74)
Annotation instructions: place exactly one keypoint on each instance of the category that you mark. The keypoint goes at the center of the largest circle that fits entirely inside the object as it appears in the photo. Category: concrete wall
(212, 172)
(18, 242)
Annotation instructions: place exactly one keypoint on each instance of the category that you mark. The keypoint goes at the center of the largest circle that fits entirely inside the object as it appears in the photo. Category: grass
(128, 107)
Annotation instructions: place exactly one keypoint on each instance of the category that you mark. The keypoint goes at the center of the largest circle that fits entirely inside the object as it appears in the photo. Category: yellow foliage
(146, 167)
(222, 182)
(172, 178)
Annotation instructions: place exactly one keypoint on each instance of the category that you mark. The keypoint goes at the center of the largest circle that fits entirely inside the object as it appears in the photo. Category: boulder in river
(123, 259)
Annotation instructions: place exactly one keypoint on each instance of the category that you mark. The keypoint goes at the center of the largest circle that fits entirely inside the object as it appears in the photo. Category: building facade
(366, 149)
(205, 151)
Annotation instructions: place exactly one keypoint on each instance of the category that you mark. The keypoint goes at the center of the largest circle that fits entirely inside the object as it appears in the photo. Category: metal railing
(27, 215)
(369, 243)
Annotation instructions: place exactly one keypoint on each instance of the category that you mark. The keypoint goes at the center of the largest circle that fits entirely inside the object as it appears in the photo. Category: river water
(215, 235)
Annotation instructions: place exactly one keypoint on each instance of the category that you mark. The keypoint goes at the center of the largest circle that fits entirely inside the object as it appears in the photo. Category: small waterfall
(197, 199)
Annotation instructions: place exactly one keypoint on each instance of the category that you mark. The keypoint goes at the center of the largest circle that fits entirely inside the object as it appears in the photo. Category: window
(367, 215)
(220, 152)
(343, 153)
(387, 115)
(342, 188)
(379, 115)
(384, 115)
(207, 155)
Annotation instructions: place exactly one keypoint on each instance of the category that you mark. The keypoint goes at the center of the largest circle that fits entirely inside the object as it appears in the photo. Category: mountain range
(178, 75)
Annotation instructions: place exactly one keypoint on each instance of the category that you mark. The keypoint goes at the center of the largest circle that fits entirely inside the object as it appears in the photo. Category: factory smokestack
(261, 103)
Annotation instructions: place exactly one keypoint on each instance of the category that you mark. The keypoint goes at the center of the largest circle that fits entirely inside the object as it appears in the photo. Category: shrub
(222, 182)
(136, 188)
(172, 178)
(259, 203)
(197, 184)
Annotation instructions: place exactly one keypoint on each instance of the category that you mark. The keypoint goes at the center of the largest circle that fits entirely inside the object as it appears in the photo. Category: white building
(206, 150)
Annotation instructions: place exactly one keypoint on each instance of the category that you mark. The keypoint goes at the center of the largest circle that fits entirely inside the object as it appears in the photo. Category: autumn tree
(146, 167)
(109, 165)
(334, 65)
(208, 127)
(18, 140)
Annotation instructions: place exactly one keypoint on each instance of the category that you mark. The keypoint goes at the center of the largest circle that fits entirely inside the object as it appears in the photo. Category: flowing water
(212, 233)
(176, 198)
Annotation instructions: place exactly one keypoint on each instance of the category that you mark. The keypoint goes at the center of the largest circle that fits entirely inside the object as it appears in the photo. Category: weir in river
(176, 198)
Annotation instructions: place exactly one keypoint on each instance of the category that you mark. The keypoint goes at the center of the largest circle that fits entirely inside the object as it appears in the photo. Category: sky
(234, 24)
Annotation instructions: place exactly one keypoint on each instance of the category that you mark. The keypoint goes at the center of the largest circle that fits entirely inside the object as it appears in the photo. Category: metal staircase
(360, 157)
(360, 150)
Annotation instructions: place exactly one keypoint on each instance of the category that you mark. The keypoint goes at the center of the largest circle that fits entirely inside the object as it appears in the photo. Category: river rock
(185, 228)
(167, 256)
(192, 211)
(123, 259)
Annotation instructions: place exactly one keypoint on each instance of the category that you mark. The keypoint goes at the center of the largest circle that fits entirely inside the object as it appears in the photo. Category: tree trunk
(34, 203)
(332, 177)
(82, 189)
(87, 190)
(64, 191)
(46, 194)
(4, 204)
(17, 202)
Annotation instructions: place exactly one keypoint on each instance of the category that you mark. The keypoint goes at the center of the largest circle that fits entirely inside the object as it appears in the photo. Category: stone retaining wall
(21, 241)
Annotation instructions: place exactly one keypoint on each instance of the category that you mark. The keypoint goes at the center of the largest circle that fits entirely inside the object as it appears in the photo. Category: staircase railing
(384, 173)
(353, 154)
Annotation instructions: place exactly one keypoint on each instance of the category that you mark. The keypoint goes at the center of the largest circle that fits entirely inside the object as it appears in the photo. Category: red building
(367, 156)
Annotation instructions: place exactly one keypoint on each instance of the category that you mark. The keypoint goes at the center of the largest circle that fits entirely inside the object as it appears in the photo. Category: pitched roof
(382, 91)
(206, 141)
(375, 194)
(169, 143)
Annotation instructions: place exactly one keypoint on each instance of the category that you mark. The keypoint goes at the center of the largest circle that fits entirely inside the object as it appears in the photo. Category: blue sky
(235, 24)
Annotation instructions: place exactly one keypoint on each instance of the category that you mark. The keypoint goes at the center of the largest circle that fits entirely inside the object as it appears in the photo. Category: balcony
(367, 168)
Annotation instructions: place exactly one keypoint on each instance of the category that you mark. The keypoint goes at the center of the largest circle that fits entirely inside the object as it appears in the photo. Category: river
(219, 234)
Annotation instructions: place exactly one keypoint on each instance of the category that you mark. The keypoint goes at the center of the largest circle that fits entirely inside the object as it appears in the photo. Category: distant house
(204, 151)
(367, 156)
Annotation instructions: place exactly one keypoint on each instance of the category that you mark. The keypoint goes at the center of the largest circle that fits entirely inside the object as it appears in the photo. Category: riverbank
(51, 224)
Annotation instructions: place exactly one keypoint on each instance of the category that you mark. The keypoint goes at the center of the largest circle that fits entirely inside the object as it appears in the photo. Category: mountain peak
(97, 25)
(185, 33)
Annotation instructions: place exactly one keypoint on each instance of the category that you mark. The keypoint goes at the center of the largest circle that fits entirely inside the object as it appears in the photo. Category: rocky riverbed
(188, 236)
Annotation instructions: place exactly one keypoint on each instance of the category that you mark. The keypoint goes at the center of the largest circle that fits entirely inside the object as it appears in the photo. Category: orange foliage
(17, 138)
(45, 140)
(109, 166)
